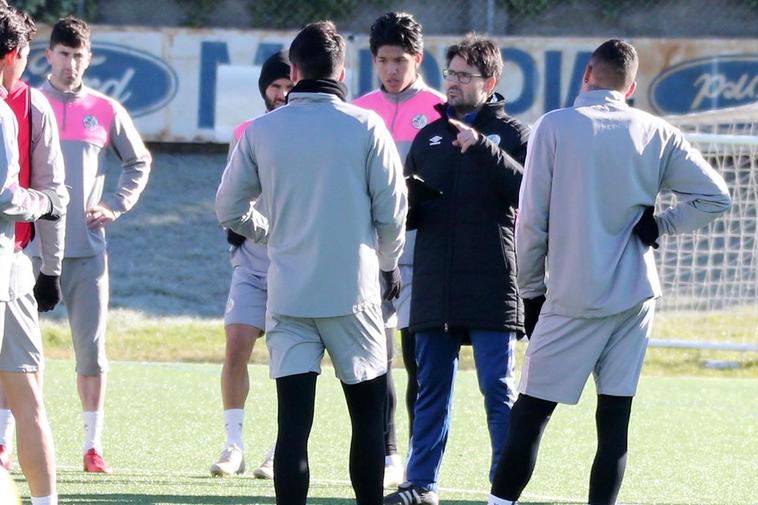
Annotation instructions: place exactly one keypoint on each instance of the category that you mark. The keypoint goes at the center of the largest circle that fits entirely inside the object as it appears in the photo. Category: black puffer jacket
(464, 272)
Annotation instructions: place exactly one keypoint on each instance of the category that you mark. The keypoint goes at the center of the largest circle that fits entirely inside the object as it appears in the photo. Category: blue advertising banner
(186, 85)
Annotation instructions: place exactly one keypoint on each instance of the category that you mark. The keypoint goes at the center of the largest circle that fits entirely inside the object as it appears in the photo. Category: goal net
(710, 277)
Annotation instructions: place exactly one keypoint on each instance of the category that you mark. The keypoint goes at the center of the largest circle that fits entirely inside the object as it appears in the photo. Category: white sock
(7, 423)
(93, 430)
(494, 500)
(392, 460)
(233, 422)
(45, 500)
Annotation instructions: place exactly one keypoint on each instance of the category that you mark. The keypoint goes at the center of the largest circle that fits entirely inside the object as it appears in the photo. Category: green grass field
(134, 336)
(693, 441)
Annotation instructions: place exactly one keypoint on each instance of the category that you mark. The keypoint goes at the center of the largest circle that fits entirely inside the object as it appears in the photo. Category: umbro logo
(435, 141)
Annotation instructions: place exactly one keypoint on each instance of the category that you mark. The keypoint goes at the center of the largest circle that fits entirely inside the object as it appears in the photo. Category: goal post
(710, 277)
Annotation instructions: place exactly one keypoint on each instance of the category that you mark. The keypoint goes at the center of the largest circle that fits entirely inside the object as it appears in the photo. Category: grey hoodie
(590, 171)
(333, 189)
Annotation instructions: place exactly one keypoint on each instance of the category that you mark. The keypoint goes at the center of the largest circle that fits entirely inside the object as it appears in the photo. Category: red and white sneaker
(95, 463)
(5, 458)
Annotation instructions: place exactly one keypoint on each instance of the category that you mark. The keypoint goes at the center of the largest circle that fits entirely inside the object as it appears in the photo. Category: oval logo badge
(706, 84)
(141, 82)
(419, 121)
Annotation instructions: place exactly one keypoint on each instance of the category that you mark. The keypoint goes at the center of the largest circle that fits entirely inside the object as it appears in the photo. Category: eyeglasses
(461, 77)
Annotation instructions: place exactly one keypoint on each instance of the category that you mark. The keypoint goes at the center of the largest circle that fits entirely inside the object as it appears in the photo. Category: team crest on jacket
(419, 121)
(494, 138)
(435, 141)
(90, 122)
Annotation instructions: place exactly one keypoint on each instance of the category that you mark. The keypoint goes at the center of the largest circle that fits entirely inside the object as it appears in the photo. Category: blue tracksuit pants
(437, 360)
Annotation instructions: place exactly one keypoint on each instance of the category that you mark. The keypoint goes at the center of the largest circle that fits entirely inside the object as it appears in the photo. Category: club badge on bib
(90, 122)
(419, 121)
(494, 138)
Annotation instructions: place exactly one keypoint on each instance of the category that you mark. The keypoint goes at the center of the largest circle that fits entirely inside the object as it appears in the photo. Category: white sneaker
(394, 473)
(266, 468)
(230, 462)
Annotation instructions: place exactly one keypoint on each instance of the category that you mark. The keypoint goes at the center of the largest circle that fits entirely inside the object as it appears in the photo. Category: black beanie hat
(277, 66)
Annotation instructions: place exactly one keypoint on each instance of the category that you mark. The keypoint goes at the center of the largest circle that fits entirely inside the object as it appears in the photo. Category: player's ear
(587, 73)
(631, 90)
(418, 58)
(586, 78)
(489, 85)
(294, 73)
(341, 78)
(10, 57)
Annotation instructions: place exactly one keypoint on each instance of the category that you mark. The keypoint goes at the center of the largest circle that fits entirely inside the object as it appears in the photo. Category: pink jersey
(404, 113)
(90, 122)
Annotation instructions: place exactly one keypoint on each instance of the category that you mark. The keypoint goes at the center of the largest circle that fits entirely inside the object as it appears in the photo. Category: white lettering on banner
(115, 87)
(176, 81)
(713, 86)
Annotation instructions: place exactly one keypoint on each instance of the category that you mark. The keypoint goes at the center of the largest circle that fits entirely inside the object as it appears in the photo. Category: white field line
(332, 482)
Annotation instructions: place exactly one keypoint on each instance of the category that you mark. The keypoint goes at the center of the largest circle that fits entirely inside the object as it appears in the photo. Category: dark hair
(479, 52)
(318, 51)
(614, 64)
(13, 31)
(397, 29)
(70, 32)
(31, 26)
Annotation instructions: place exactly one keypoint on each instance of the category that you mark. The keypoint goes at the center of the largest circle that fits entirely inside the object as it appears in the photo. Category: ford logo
(707, 83)
(138, 80)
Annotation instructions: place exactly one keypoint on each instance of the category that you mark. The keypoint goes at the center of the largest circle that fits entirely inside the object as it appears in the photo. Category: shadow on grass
(150, 499)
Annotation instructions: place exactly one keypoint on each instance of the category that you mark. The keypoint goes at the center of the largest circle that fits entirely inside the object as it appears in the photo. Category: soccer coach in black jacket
(465, 266)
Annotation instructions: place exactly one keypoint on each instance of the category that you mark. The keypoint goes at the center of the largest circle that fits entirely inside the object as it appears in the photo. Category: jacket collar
(600, 97)
(494, 107)
(312, 88)
(63, 96)
(414, 89)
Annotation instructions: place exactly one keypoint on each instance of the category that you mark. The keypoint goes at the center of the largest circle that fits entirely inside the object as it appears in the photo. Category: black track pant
(408, 342)
(612, 421)
(529, 418)
(295, 400)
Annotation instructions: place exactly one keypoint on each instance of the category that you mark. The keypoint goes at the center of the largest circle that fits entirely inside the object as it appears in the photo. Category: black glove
(56, 208)
(234, 239)
(532, 308)
(647, 229)
(391, 284)
(47, 292)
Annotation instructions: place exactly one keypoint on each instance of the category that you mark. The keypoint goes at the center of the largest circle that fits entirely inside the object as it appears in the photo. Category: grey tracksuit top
(334, 192)
(47, 173)
(590, 171)
(16, 203)
(90, 122)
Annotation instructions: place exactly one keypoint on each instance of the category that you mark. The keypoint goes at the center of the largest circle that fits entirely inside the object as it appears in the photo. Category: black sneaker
(411, 494)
